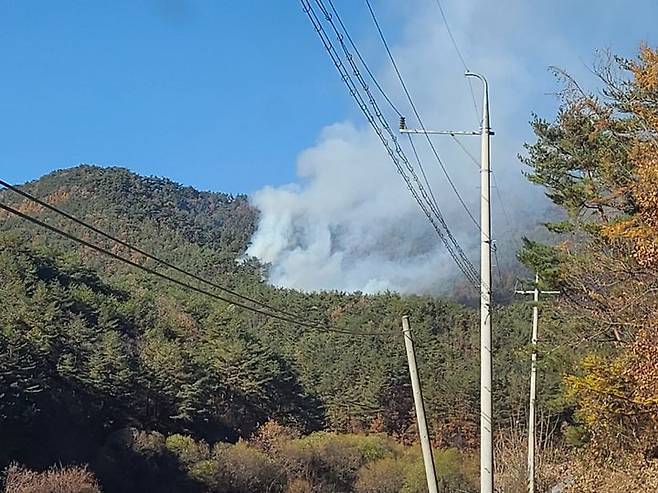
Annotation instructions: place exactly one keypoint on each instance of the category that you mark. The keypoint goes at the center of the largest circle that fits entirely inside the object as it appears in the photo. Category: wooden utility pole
(425, 444)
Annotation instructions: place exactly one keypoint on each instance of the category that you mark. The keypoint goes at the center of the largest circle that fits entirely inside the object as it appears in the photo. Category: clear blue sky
(221, 95)
(217, 94)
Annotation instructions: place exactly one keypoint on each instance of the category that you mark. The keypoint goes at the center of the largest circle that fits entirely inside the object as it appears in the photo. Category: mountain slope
(201, 230)
(109, 346)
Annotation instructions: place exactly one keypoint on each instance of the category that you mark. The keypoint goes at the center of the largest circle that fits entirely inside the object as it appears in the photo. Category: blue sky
(221, 95)
(216, 94)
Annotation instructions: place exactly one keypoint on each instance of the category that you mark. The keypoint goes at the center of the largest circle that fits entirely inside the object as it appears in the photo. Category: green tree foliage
(88, 351)
(201, 231)
(597, 160)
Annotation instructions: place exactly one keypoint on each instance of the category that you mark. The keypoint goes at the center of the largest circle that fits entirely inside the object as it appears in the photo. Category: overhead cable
(415, 110)
(493, 175)
(459, 54)
(384, 132)
(139, 250)
(88, 244)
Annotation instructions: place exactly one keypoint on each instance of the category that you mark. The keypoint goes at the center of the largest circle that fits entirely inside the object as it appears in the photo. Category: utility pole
(486, 411)
(425, 444)
(532, 438)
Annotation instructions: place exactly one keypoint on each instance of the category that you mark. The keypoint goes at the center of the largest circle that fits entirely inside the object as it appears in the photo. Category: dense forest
(148, 356)
(118, 381)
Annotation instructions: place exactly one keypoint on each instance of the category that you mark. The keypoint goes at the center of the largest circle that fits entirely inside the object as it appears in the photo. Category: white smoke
(349, 223)
(346, 227)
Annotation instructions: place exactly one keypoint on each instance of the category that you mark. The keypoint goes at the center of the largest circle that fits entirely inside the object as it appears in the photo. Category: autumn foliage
(599, 161)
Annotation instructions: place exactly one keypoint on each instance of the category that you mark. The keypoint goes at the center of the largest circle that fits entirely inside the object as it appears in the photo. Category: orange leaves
(599, 162)
(645, 365)
(645, 70)
(641, 229)
(645, 73)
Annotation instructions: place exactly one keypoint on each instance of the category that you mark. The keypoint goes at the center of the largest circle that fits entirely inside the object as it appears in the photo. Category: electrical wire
(498, 269)
(69, 236)
(363, 62)
(422, 170)
(502, 202)
(395, 152)
(417, 114)
(140, 251)
(449, 240)
(459, 54)
(463, 61)
(383, 93)
(452, 38)
(498, 195)
(451, 243)
(493, 175)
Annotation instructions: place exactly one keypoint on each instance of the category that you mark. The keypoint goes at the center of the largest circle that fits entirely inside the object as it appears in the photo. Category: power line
(493, 175)
(466, 151)
(422, 170)
(383, 93)
(500, 199)
(502, 202)
(459, 54)
(463, 60)
(445, 234)
(395, 152)
(301, 323)
(379, 87)
(413, 107)
(363, 62)
(140, 251)
(500, 272)
(386, 97)
(452, 38)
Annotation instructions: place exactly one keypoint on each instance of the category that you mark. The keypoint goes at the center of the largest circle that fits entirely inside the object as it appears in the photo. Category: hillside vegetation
(153, 387)
(599, 161)
(95, 347)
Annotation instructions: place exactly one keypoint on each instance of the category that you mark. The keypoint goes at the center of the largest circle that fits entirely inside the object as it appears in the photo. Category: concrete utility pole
(532, 439)
(486, 411)
(425, 444)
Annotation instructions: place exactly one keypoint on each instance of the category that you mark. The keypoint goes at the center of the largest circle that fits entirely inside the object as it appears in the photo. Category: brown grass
(633, 475)
(576, 470)
(511, 462)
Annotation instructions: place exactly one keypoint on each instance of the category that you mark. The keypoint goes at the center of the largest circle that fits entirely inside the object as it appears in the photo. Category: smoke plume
(349, 223)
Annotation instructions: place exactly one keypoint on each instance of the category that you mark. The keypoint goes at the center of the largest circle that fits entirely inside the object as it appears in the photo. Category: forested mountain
(201, 230)
(95, 347)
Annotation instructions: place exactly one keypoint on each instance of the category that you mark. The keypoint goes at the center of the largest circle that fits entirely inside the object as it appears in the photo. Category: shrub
(300, 486)
(382, 476)
(187, 449)
(414, 478)
(149, 444)
(271, 435)
(453, 468)
(134, 461)
(334, 459)
(455, 472)
(245, 469)
(206, 472)
(71, 479)
(576, 436)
